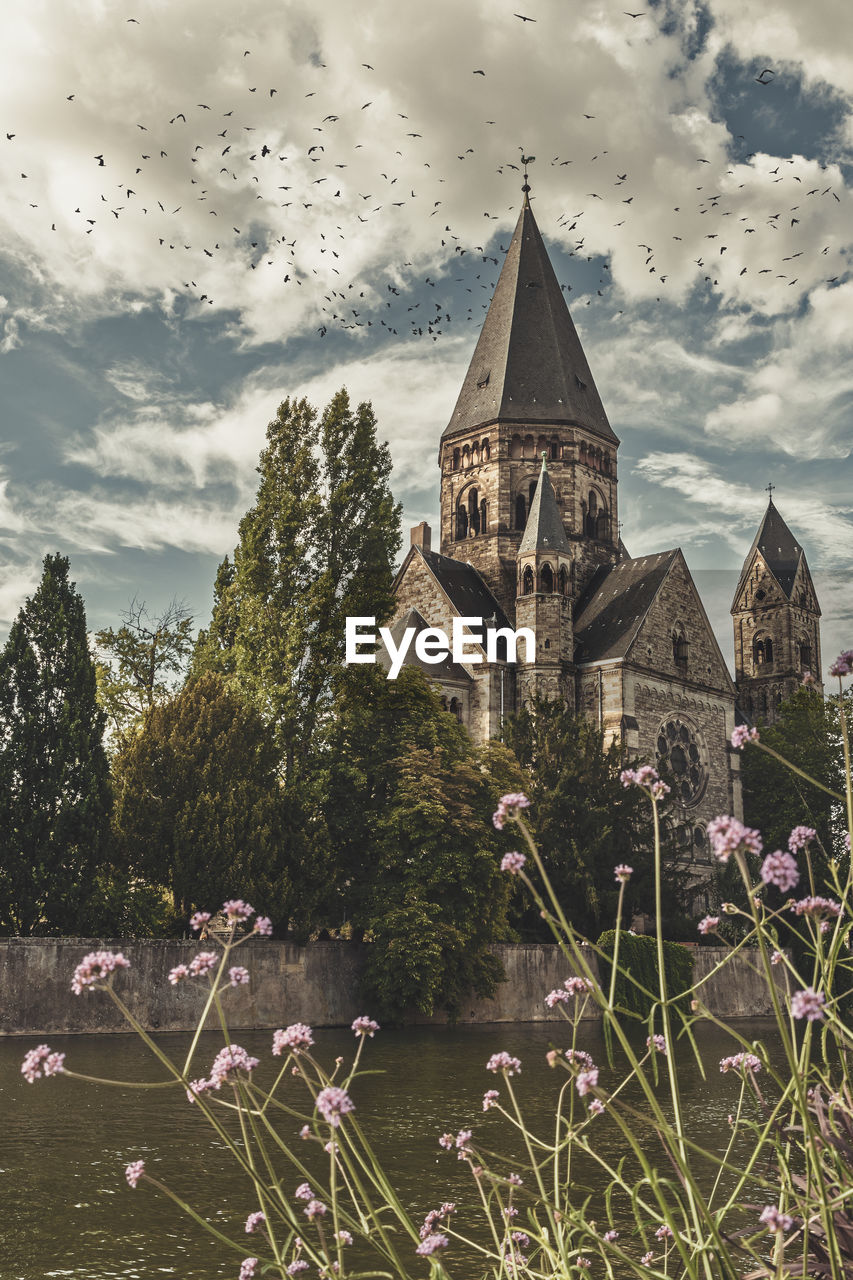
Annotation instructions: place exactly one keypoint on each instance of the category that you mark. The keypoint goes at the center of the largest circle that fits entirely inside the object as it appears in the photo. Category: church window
(564, 581)
(555, 447)
(466, 456)
(595, 523)
(601, 526)
(546, 579)
(483, 522)
(527, 582)
(455, 459)
(679, 647)
(529, 447)
(683, 755)
(444, 703)
(582, 453)
(475, 456)
(520, 512)
(762, 651)
(759, 595)
(803, 600)
(456, 708)
(541, 446)
(547, 644)
(461, 522)
(473, 512)
(516, 447)
(805, 655)
(607, 464)
(485, 451)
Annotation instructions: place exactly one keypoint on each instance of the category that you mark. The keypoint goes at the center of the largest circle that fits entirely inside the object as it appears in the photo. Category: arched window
(591, 514)
(762, 651)
(582, 455)
(555, 447)
(485, 451)
(455, 459)
(520, 512)
(483, 521)
(679, 647)
(564, 581)
(466, 456)
(768, 650)
(532, 491)
(541, 446)
(805, 655)
(461, 522)
(607, 464)
(546, 579)
(601, 526)
(529, 447)
(443, 704)
(475, 456)
(473, 511)
(527, 582)
(516, 448)
(456, 708)
(547, 644)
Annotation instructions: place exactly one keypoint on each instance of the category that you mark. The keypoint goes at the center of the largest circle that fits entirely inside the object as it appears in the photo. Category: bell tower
(545, 571)
(776, 620)
(528, 391)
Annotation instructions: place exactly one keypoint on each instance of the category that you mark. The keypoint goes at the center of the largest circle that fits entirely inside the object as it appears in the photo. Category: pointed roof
(447, 669)
(529, 365)
(544, 529)
(779, 547)
(611, 610)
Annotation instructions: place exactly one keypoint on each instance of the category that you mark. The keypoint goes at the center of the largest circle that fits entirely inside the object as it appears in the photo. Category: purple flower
(180, 971)
(777, 958)
(780, 869)
(238, 975)
(577, 986)
(658, 1043)
(728, 836)
(610, 1236)
(490, 1099)
(557, 997)
(513, 862)
(248, 1267)
(647, 1258)
(648, 778)
(314, 1209)
(446, 1141)
(742, 735)
(586, 1080)
(774, 1220)
(582, 1262)
(581, 1056)
(741, 1062)
(432, 1244)
(344, 1236)
(263, 926)
(708, 924)
(134, 1172)
(41, 1061)
(508, 807)
(663, 1232)
(365, 1027)
(296, 1038)
(800, 837)
(254, 1221)
(297, 1265)
(203, 963)
(96, 967)
(622, 874)
(303, 1192)
(596, 1107)
(200, 918)
(236, 909)
(808, 1003)
(232, 1058)
(503, 1062)
(843, 664)
(463, 1137)
(816, 907)
(332, 1103)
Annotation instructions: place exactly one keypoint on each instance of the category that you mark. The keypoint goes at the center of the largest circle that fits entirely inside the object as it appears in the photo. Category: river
(67, 1210)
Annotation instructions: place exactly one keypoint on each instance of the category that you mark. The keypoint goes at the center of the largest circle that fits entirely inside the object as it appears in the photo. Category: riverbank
(317, 983)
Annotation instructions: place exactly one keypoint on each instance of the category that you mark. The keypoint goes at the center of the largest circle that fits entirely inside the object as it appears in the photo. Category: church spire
(544, 529)
(529, 365)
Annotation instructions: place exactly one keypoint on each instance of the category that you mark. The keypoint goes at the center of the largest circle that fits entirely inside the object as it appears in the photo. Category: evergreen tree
(54, 777)
(196, 806)
(408, 802)
(585, 823)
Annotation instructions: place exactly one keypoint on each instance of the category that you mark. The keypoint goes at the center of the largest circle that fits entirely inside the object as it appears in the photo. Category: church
(530, 537)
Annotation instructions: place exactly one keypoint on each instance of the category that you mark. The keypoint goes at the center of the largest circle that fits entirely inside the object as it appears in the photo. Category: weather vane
(526, 160)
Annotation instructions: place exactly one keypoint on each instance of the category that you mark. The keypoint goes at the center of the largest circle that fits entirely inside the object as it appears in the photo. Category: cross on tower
(770, 489)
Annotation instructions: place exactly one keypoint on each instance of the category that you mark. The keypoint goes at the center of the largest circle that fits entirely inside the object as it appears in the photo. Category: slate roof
(529, 365)
(544, 529)
(779, 548)
(465, 587)
(447, 669)
(611, 610)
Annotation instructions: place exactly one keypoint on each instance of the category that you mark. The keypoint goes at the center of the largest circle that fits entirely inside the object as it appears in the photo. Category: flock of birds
(222, 161)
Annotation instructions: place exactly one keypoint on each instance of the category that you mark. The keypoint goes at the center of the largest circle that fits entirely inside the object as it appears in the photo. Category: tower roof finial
(544, 459)
(526, 160)
(770, 489)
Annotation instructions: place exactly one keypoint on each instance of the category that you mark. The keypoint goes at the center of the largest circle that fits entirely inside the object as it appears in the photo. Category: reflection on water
(68, 1212)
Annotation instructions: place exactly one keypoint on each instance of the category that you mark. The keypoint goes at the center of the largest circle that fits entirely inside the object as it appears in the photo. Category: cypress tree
(54, 776)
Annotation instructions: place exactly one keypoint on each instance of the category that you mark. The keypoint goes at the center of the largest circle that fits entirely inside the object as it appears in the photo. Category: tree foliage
(637, 988)
(142, 662)
(54, 777)
(408, 808)
(196, 805)
(584, 822)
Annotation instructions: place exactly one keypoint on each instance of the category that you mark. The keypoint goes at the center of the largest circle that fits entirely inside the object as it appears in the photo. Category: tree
(318, 545)
(585, 823)
(195, 789)
(408, 807)
(54, 776)
(141, 663)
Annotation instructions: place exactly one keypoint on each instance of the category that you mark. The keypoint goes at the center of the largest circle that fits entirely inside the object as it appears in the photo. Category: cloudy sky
(206, 207)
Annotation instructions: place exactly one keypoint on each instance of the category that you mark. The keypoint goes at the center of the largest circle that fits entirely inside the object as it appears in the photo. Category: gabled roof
(447, 669)
(464, 586)
(779, 548)
(529, 365)
(611, 610)
(544, 529)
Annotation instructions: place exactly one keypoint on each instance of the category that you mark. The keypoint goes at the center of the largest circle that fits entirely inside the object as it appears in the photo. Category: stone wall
(317, 984)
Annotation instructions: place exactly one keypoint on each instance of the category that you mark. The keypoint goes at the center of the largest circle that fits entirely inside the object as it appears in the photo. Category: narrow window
(546, 578)
(527, 582)
(520, 512)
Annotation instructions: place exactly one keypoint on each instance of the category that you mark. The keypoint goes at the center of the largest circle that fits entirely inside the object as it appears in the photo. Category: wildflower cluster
(741, 1062)
(95, 968)
(742, 735)
(509, 806)
(41, 1061)
(727, 836)
(646, 777)
(781, 870)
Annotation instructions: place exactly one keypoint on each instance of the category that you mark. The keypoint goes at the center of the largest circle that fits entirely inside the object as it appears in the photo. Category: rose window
(682, 754)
